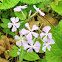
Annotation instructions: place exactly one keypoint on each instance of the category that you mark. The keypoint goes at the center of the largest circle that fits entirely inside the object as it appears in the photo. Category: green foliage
(57, 34)
(54, 55)
(31, 56)
(33, 1)
(57, 8)
(14, 51)
(42, 60)
(7, 4)
(5, 23)
(56, 52)
(20, 15)
(0, 35)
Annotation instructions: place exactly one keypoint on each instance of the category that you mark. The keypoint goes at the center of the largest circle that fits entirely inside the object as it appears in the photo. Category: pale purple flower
(19, 39)
(46, 33)
(14, 23)
(47, 44)
(18, 53)
(19, 8)
(30, 46)
(29, 32)
(37, 9)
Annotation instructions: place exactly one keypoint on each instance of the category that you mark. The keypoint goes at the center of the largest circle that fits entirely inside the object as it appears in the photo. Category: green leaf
(57, 34)
(33, 1)
(57, 8)
(20, 15)
(14, 51)
(5, 23)
(42, 60)
(31, 56)
(54, 55)
(7, 4)
(56, 51)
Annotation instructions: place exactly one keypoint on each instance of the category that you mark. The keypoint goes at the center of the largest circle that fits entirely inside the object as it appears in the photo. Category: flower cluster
(26, 35)
(47, 38)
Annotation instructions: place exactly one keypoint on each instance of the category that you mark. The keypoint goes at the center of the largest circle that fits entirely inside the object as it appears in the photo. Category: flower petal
(25, 45)
(49, 48)
(37, 49)
(30, 42)
(17, 9)
(17, 25)
(30, 50)
(23, 7)
(12, 19)
(45, 38)
(46, 29)
(42, 34)
(16, 19)
(35, 28)
(14, 29)
(50, 41)
(44, 48)
(17, 37)
(18, 43)
(27, 25)
(24, 31)
(29, 36)
(41, 13)
(35, 34)
(9, 25)
(50, 35)
(37, 44)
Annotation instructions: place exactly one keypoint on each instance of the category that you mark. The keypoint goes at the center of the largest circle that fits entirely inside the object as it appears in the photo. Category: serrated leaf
(57, 8)
(7, 4)
(31, 56)
(20, 15)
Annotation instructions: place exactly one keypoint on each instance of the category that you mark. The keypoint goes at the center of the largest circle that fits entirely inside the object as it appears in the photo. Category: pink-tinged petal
(42, 34)
(50, 35)
(44, 44)
(27, 25)
(50, 41)
(17, 19)
(37, 49)
(17, 37)
(25, 45)
(45, 38)
(35, 34)
(30, 42)
(46, 29)
(30, 50)
(24, 31)
(23, 7)
(18, 43)
(14, 29)
(20, 33)
(37, 9)
(29, 36)
(12, 19)
(44, 48)
(37, 44)
(49, 48)
(41, 13)
(35, 28)
(17, 9)
(9, 25)
(17, 25)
